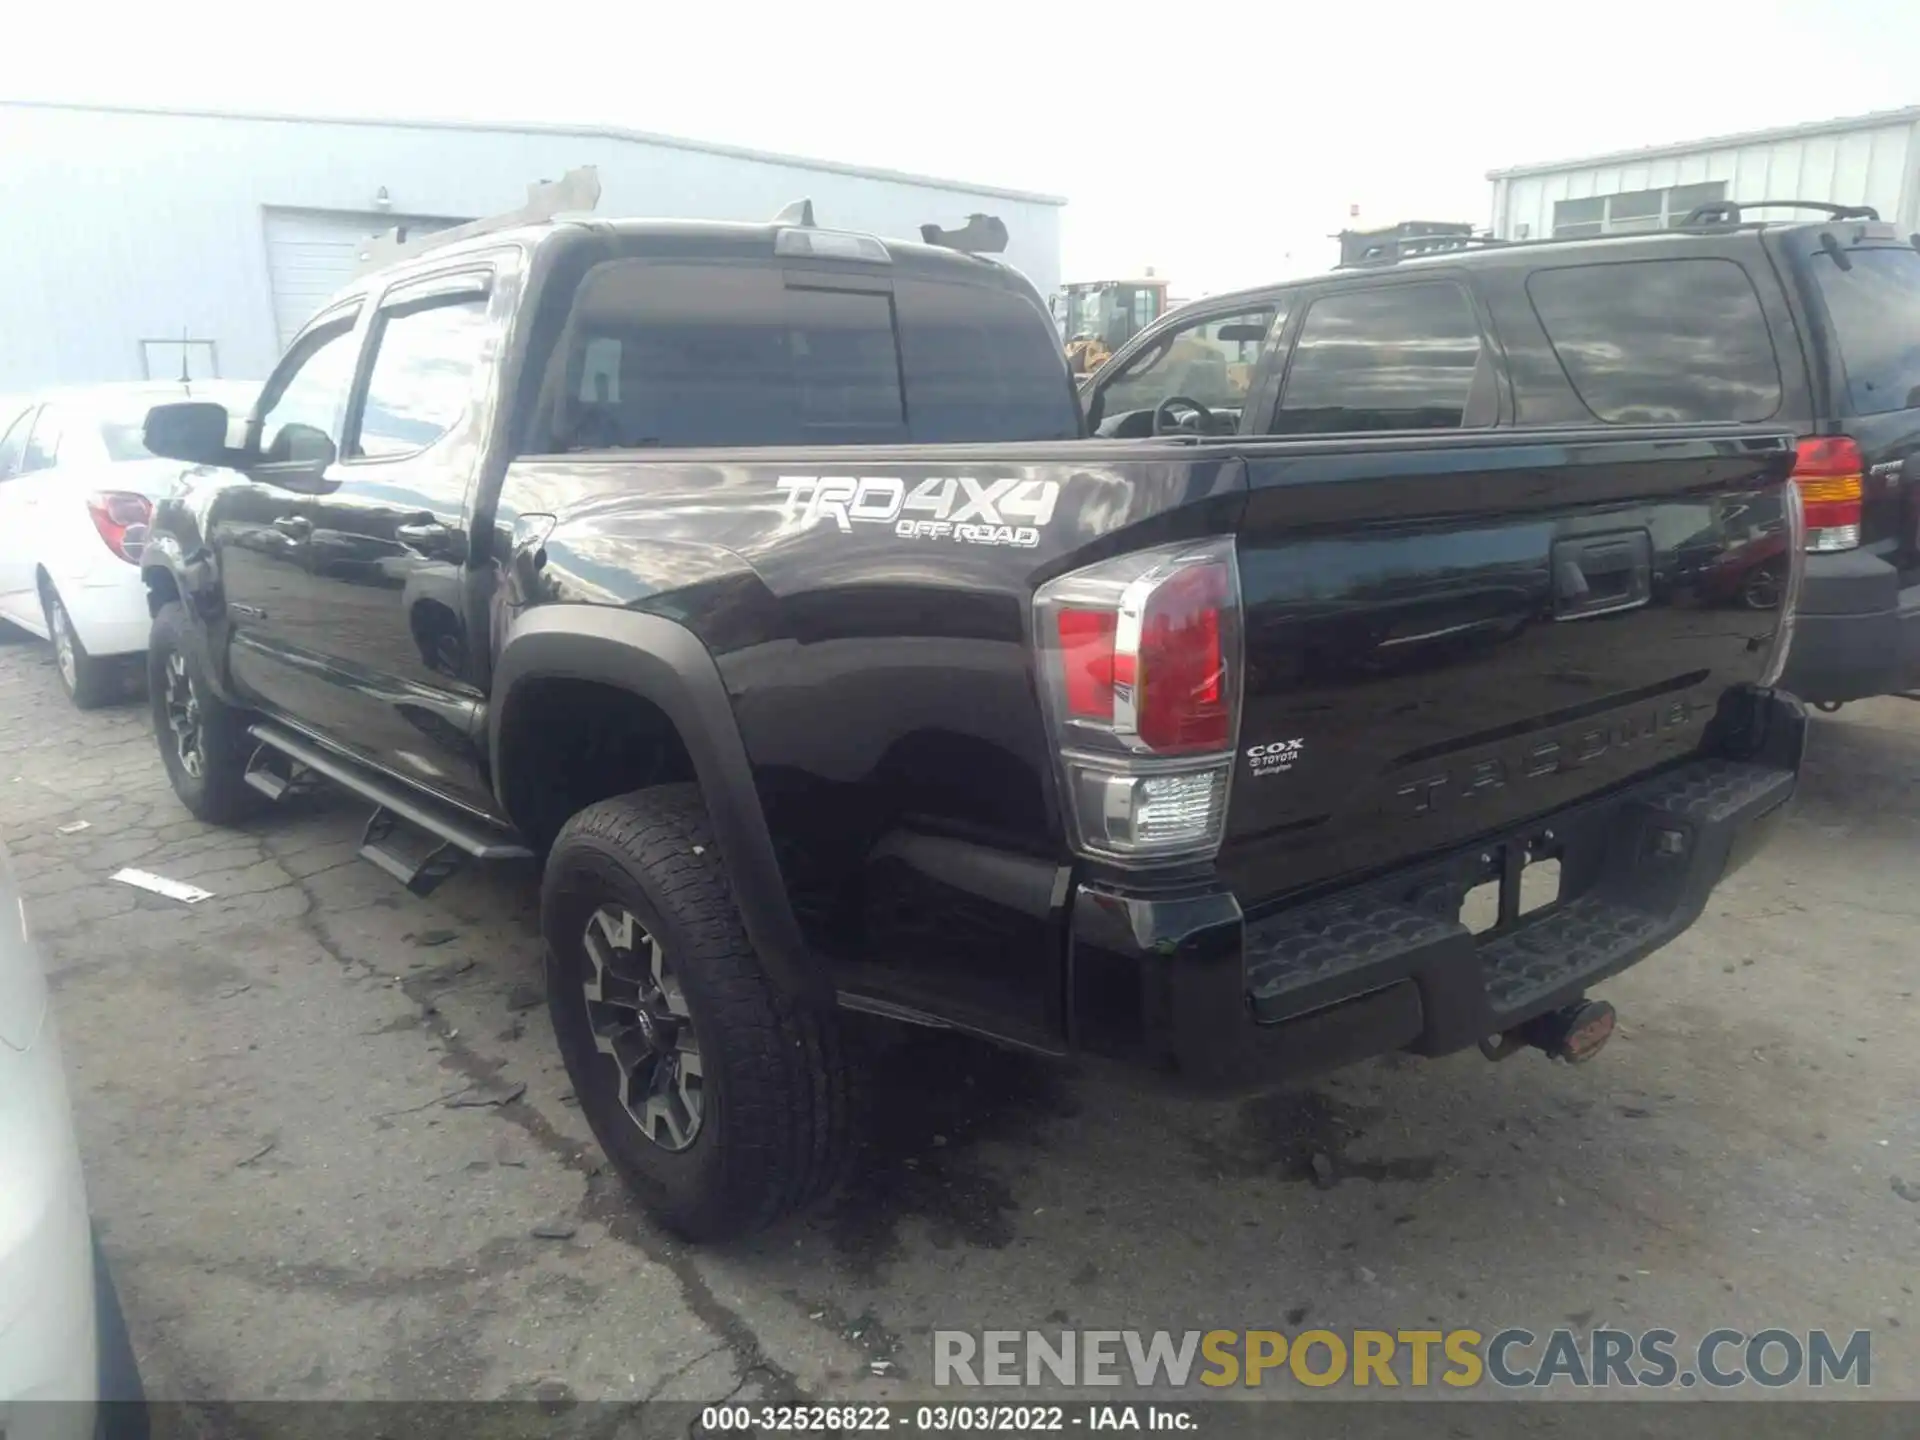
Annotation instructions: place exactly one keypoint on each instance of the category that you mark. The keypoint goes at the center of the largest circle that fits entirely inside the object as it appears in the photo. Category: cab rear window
(1873, 311)
(668, 355)
(1660, 342)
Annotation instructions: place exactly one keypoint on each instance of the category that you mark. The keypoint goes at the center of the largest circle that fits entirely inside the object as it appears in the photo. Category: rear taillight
(1827, 469)
(1140, 666)
(122, 519)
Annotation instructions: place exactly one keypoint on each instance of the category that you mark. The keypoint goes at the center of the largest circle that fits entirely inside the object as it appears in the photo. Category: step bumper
(1190, 985)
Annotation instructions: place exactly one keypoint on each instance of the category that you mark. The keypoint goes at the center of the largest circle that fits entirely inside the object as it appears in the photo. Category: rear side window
(43, 445)
(706, 355)
(14, 444)
(1660, 341)
(1874, 311)
(1401, 357)
(981, 363)
(662, 355)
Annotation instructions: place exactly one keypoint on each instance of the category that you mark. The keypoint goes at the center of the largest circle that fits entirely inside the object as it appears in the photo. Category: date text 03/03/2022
(945, 1418)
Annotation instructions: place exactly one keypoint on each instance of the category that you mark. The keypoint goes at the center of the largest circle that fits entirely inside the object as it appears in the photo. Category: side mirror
(191, 430)
(304, 445)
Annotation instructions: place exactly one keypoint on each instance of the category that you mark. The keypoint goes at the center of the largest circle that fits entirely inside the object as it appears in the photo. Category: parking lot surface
(332, 1151)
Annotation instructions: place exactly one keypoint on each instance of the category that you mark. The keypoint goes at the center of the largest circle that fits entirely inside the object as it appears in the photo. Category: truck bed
(1410, 619)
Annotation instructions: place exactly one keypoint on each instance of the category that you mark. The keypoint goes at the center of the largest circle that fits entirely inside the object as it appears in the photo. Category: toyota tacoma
(771, 585)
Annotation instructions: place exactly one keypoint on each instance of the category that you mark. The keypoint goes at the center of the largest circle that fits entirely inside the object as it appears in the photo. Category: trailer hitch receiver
(1573, 1033)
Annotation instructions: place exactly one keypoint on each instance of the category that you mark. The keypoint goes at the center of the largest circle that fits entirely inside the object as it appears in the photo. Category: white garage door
(312, 253)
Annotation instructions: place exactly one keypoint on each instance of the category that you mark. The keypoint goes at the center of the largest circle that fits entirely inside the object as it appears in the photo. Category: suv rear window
(669, 355)
(1660, 341)
(1874, 310)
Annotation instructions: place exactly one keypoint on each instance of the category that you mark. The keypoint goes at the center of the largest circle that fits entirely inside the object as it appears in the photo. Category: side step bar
(415, 839)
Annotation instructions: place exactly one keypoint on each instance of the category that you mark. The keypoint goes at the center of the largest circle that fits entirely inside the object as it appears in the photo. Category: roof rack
(577, 190)
(1728, 212)
(981, 235)
(1406, 240)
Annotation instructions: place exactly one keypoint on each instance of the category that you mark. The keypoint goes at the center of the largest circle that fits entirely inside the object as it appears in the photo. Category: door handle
(426, 535)
(1601, 574)
(295, 527)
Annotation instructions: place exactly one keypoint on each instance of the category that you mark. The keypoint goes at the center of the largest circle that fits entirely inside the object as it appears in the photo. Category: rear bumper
(1856, 632)
(1186, 984)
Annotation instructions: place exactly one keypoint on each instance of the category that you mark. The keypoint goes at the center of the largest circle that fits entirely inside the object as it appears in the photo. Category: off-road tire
(778, 1095)
(88, 681)
(219, 794)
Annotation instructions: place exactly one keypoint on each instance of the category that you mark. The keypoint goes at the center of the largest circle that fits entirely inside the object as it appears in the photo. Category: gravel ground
(334, 1155)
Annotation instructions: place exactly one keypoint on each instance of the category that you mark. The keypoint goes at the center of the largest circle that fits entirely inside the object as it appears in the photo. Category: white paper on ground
(160, 885)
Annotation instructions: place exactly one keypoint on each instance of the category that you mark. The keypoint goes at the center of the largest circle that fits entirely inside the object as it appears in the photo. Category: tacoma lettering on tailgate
(1544, 757)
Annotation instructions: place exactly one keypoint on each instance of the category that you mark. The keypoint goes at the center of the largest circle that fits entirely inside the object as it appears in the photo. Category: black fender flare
(191, 583)
(665, 663)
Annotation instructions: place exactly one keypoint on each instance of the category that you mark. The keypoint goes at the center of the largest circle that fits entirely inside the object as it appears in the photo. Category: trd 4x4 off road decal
(944, 507)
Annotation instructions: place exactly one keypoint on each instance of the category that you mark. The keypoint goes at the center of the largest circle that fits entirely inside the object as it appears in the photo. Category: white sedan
(77, 488)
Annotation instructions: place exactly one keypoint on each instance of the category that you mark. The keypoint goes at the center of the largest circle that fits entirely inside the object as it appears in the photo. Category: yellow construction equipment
(1097, 317)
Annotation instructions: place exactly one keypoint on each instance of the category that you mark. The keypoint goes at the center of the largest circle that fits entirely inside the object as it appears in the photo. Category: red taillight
(1086, 658)
(1828, 470)
(1180, 696)
(122, 519)
(1139, 660)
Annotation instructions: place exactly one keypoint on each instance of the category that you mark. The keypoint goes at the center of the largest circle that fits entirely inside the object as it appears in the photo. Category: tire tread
(789, 1110)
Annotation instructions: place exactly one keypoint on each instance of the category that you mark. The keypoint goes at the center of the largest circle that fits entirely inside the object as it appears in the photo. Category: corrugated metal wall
(1870, 166)
(118, 227)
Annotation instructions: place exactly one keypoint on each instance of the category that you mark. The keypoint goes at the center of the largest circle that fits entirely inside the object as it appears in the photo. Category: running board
(279, 776)
(417, 858)
(413, 837)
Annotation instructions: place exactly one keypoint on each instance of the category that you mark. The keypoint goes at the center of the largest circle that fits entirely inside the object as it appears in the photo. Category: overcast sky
(1220, 143)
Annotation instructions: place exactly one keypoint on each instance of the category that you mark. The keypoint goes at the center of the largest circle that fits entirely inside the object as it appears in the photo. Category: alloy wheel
(640, 1020)
(183, 715)
(63, 651)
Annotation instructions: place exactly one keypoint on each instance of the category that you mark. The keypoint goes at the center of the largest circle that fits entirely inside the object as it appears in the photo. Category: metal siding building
(1866, 160)
(128, 230)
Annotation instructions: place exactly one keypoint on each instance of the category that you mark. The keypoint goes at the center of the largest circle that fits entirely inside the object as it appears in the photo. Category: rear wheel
(89, 683)
(203, 741)
(723, 1102)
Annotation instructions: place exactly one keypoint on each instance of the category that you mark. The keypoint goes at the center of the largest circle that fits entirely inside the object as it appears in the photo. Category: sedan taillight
(122, 518)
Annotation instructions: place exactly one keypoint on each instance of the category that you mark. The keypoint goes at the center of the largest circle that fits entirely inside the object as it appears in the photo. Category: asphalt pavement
(333, 1153)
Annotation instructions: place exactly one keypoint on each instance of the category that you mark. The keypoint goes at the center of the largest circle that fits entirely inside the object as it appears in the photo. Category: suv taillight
(122, 519)
(1828, 469)
(1140, 668)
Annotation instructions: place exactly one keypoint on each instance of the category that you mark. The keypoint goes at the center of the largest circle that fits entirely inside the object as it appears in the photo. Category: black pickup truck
(768, 583)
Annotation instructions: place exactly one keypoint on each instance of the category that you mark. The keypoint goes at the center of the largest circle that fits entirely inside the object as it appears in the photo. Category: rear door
(1866, 297)
(1454, 624)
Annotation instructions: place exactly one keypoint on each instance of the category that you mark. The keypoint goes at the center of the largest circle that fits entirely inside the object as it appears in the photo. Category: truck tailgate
(1435, 654)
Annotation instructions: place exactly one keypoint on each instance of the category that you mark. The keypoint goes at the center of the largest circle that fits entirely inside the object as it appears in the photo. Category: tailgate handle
(1599, 574)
